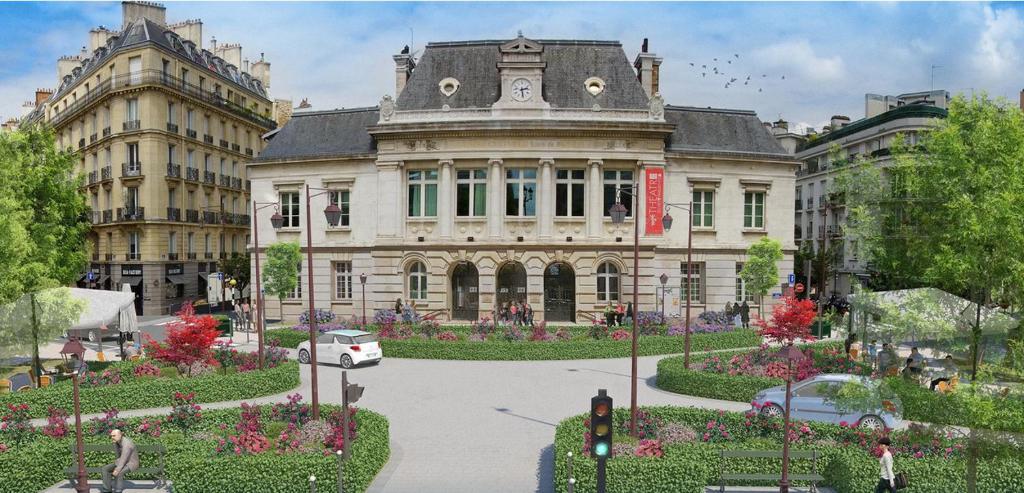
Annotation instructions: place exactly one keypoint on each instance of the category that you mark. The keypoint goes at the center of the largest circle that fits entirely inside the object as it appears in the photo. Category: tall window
(423, 193)
(290, 209)
(206, 245)
(189, 115)
(223, 244)
(696, 277)
(569, 192)
(135, 69)
(297, 293)
(521, 192)
(206, 163)
(134, 250)
(133, 156)
(753, 210)
(108, 156)
(703, 208)
(417, 281)
(340, 198)
(170, 153)
(614, 182)
(234, 243)
(222, 163)
(172, 116)
(607, 282)
(741, 288)
(343, 280)
(471, 193)
(191, 242)
(172, 243)
(131, 198)
(131, 110)
(190, 161)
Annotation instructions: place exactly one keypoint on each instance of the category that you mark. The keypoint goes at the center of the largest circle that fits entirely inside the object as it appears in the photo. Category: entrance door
(511, 283)
(559, 293)
(465, 292)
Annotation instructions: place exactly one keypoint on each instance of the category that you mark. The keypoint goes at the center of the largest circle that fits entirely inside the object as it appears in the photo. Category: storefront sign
(655, 201)
(131, 270)
(175, 269)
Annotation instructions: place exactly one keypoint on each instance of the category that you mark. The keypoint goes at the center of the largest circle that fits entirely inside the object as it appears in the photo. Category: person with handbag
(887, 481)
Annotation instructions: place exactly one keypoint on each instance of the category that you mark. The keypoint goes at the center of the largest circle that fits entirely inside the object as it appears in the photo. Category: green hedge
(193, 468)
(287, 337)
(146, 393)
(961, 408)
(689, 467)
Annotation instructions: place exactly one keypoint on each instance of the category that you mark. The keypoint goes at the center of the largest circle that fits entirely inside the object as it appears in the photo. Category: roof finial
(520, 33)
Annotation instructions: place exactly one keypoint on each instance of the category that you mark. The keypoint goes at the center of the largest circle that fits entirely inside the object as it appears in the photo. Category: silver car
(809, 402)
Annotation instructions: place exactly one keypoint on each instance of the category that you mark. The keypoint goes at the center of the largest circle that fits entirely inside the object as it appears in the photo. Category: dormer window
(448, 86)
(594, 85)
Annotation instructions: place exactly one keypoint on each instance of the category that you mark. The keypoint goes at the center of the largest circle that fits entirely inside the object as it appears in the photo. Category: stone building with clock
(489, 176)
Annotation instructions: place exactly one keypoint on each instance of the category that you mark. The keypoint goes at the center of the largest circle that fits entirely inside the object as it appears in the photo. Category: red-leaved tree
(188, 340)
(790, 320)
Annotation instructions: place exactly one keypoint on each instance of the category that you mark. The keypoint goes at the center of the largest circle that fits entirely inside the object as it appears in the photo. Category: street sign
(776, 295)
(792, 279)
(220, 276)
(89, 276)
(799, 287)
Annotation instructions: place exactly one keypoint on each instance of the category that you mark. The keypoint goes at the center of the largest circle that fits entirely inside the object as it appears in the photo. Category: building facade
(820, 214)
(163, 128)
(489, 180)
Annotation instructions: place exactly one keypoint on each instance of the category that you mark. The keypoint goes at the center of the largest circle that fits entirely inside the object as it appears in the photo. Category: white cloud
(800, 59)
(999, 43)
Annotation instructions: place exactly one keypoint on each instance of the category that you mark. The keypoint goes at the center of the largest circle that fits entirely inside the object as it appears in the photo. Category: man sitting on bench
(127, 460)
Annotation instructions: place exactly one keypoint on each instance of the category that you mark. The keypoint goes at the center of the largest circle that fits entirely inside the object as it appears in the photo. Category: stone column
(445, 192)
(496, 211)
(595, 199)
(390, 185)
(547, 198)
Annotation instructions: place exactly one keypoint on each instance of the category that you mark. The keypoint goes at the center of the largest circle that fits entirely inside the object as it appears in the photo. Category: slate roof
(323, 134)
(569, 64)
(719, 130)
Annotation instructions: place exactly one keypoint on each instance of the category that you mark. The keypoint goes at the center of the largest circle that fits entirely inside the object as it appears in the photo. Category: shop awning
(203, 275)
(176, 279)
(133, 280)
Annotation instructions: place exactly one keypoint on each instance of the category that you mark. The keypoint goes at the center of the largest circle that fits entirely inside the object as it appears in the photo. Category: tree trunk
(976, 337)
(37, 364)
(280, 308)
(972, 462)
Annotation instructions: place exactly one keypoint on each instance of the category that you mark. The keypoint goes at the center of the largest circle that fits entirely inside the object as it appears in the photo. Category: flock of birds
(712, 69)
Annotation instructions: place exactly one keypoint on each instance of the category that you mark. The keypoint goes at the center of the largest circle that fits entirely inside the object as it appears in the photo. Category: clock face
(522, 90)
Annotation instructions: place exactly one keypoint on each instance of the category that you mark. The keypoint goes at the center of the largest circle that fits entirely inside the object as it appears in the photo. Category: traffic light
(601, 425)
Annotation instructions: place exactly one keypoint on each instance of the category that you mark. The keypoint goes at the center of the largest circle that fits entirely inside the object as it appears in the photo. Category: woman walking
(887, 481)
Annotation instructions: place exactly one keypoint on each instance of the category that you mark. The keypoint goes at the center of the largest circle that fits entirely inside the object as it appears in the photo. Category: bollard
(568, 463)
(312, 483)
(572, 485)
(341, 461)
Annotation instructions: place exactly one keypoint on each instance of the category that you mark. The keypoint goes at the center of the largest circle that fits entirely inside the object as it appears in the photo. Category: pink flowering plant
(185, 413)
(293, 411)
(649, 448)
(539, 332)
(107, 377)
(716, 430)
(152, 427)
(146, 369)
(447, 336)
(336, 439)
(56, 423)
(248, 438)
(109, 421)
(621, 335)
(15, 425)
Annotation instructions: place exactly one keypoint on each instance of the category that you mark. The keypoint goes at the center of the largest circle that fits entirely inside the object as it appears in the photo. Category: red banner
(655, 201)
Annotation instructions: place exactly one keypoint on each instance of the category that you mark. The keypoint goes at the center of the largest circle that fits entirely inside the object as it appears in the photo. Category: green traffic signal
(601, 449)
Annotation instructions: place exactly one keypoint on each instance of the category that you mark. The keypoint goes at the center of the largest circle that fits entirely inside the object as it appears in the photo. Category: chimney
(647, 66)
(404, 65)
(839, 121)
(42, 95)
(132, 11)
(191, 29)
(65, 65)
(261, 71)
(282, 111)
(230, 52)
(98, 38)
(783, 124)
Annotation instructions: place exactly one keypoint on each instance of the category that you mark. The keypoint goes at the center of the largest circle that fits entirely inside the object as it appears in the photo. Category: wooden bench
(157, 471)
(813, 477)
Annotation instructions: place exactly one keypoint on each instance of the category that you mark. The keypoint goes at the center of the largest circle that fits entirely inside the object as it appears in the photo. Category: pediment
(522, 45)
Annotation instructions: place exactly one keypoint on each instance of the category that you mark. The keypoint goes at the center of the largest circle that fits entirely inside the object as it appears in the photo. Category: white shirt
(886, 466)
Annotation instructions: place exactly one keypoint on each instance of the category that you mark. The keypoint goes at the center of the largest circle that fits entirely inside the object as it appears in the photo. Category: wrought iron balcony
(224, 143)
(94, 177)
(191, 216)
(210, 217)
(106, 173)
(190, 133)
(173, 170)
(191, 255)
(173, 214)
(225, 181)
(131, 214)
(109, 257)
(236, 183)
(132, 125)
(799, 204)
(192, 174)
(208, 255)
(835, 230)
(172, 127)
(228, 218)
(96, 217)
(133, 256)
(95, 257)
(131, 169)
(106, 131)
(108, 217)
(209, 177)
(208, 138)
(81, 143)
(248, 151)
(172, 256)
(236, 148)
(810, 202)
(92, 138)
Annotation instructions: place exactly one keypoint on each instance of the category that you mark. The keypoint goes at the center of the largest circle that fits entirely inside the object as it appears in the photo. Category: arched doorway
(559, 293)
(511, 283)
(465, 292)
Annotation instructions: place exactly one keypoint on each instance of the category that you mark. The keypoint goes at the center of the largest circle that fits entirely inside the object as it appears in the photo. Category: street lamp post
(276, 221)
(333, 215)
(791, 354)
(666, 222)
(362, 281)
(618, 213)
(664, 280)
(76, 348)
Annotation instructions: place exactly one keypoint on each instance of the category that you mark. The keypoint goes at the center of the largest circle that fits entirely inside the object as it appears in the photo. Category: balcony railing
(192, 174)
(208, 138)
(810, 202)
(96, 217)
(131, 214)
(225, 181)
(242, 219)
(210, 217)
(173, 170)
(224, 143)
(133, 256)
(173, 214)
(799, 204)
(191, 255)
(236, 148)
(172, 127)
(190, 133)
(835, 230)
(236, 183)
(191, 216)
(157, 77)
(109, 257)
(81, 143)
(172, 256)
(106, 131)
(208, 255)
(92, 138)
(248, 184)
(131, 169)
(131, 125)
(106, 173)
(227, 218)
(95, 257)
(94, 177)
(108, 216)
(798, 233)
(209, 177)
(248, 151)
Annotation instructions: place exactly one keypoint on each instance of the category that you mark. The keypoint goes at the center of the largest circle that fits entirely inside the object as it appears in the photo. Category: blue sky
(339, 54)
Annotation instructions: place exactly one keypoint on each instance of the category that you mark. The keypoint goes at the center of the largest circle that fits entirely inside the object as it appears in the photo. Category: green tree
(761, 270)
(965, 189)
(35, 318)
(280, 275)
(237, 267)
(43, 222)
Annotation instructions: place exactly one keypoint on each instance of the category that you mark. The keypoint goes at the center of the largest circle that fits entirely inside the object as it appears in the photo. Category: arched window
(607, 282)
(417, 281)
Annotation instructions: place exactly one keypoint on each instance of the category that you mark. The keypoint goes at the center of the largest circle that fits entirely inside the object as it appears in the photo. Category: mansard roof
(323, 134)
(568, 64)
(718, 130)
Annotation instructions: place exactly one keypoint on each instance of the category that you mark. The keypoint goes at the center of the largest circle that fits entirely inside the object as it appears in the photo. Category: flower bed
(267, 452)
(680, 453)
(146, 391)
(739, 376)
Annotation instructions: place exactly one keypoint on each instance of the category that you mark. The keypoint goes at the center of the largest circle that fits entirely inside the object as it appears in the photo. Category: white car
(347, 348)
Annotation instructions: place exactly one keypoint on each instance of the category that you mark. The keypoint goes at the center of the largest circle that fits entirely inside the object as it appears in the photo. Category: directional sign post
(792, 279)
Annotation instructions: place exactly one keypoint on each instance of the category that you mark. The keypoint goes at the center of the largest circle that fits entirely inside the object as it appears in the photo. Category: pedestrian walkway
(140, 486)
